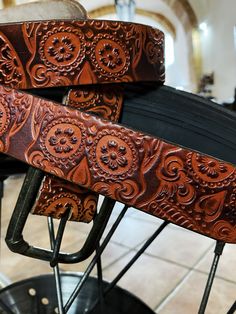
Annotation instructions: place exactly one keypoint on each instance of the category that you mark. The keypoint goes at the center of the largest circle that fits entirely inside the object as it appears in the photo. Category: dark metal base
(37, 295)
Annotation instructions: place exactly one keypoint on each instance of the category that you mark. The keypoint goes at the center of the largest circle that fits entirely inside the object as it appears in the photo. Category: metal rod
(57, 241)
(15, 239)
(131, 262)
(1, 197)
(94, 260)
(232, 310)
(218, 252)
(5, 308)
(56, 268)
(100, 281)
(136, 256)
(26, 199)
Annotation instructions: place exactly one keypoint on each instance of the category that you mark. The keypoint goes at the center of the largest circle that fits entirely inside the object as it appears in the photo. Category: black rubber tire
(182, 118)
(176, 116)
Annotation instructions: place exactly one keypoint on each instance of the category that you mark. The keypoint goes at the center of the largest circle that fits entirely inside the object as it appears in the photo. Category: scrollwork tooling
(55, 53)
(62, 140)
(55, 195)
(11, 69)
(185, 187)
(178, 182)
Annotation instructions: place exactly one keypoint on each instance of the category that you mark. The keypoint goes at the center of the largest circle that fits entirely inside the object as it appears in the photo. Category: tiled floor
(170, 276)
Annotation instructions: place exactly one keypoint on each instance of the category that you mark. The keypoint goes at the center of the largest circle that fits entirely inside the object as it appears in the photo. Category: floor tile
(141, 215)
(187, 298)
(180, 246)
(111, 254)
(154, 276)
(17, 267)
(12, 186)
(131, 232)
(149, 278)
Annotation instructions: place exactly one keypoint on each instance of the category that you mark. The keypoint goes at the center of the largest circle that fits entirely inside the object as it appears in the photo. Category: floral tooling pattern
(54, 195)
(62, 48)
(11, 70)
(169, 182)
(113, 155)
(60, 53)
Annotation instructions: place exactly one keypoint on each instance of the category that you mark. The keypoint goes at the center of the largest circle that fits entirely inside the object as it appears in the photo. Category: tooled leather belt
(185, 187)
(79, 53)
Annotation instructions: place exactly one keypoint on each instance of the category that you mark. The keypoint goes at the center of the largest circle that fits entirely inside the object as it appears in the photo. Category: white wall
(178, 74)
(218, 49)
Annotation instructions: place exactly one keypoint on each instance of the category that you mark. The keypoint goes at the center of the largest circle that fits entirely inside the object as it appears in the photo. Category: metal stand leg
(131, 262)
(1, 197)
(100, 281)
(218, 252)
(56, 243)
(232, 310)
(56, 268)
(94, 261)
(5, 308)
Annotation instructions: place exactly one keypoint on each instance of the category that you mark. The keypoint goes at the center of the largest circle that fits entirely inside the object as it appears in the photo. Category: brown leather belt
(54, 195)
(78, 53)
(183, 186)
(81, 52)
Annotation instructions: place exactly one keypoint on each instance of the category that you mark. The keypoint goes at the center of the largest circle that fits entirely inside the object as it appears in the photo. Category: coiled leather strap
(185, 187)
(79, 53)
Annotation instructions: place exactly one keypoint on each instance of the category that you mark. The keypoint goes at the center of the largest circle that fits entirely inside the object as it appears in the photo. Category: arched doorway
(178, 23)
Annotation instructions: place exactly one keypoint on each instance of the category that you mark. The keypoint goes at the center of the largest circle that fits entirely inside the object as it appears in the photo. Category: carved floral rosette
(55, 196)
(66, 53)
(185, 187)
(62, 53)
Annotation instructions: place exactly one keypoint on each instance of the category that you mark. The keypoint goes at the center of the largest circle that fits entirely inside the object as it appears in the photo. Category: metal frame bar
(14, 237)
(94, 260)
(130, 263)
(100, 281)
(5, 308)
(56, 270)
(232, 310)
(218, 252)
(2, 178)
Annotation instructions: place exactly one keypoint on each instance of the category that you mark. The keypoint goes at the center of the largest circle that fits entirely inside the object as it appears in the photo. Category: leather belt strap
(82, 52)
(55, 194)
(185, 187)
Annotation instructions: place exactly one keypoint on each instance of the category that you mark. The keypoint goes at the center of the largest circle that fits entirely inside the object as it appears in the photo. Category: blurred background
(200, 39)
